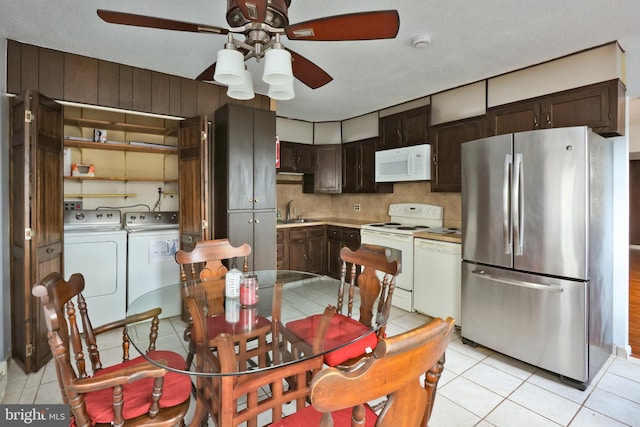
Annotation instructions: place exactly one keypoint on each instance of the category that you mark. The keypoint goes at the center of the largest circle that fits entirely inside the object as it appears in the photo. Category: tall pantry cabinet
(36, 229)
(244, 195)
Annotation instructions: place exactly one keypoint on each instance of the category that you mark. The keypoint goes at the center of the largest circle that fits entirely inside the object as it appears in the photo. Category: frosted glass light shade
(243, 90)
(281, 92)
(229, 67)
(277, 67)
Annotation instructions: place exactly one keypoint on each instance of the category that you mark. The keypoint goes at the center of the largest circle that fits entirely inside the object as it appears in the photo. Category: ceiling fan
(263, 22)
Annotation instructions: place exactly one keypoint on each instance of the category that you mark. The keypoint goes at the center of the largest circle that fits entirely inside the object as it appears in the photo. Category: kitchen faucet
(289, 205)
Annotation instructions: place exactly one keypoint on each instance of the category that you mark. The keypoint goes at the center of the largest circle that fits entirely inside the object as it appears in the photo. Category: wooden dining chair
(405, 368)
(205, 262)
(260, 391)
(132, 393)
(375, 284)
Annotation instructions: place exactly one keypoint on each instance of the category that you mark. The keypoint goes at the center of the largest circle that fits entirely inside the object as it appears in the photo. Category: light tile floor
(478, 387)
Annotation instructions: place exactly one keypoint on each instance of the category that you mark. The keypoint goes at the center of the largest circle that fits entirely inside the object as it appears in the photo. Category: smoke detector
(421, 41)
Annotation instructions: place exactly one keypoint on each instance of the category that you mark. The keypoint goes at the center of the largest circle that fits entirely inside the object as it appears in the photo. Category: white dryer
(96, 246)
(153, 239)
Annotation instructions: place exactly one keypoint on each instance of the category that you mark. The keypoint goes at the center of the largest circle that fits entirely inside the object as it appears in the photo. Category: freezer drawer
(536, 319)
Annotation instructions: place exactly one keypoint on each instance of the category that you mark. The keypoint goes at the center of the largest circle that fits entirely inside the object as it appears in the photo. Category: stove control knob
(99, 215)
(79, 216)
(142, 217)
(109, 215)
(158, 217)
(132, 217)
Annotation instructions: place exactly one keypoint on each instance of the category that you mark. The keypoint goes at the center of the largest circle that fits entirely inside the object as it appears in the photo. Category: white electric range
(406, 219)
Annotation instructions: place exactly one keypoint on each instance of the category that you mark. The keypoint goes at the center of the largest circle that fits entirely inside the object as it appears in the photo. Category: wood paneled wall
(76, 78)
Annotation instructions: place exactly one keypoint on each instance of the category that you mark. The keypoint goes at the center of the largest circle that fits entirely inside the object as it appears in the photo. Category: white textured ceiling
(471, 40)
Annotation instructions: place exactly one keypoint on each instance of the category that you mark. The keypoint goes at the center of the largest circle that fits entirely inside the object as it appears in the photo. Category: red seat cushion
(309, 417)
(342, 329)
(137, 395)
(217, 325)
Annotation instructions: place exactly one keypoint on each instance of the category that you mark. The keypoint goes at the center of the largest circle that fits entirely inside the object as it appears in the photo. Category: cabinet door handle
(250, 221)
(535, 122)
(257, 221)
(255, 200)
(549, 118)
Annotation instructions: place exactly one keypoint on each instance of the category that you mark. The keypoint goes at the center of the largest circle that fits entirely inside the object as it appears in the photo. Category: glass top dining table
(282, 296)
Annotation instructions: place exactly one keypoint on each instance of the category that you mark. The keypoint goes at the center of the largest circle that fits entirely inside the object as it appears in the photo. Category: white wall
(621, 245)
(5, 299)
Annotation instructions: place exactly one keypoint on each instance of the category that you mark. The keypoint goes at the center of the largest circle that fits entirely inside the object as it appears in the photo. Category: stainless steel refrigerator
(537, 248)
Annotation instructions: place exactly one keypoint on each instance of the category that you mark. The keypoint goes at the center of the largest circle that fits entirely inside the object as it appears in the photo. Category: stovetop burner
(408, 218)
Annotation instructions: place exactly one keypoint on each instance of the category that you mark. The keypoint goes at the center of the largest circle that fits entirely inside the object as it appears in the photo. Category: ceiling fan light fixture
(229, 67)
(277, 67)
(244, 90)
(281, 92)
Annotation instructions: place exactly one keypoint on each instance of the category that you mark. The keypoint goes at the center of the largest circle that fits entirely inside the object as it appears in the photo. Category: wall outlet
(73, 205)
(356, 207)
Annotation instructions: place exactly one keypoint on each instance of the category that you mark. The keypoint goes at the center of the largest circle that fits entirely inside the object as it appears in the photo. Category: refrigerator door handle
(506, 224)
(518, 203)
(520, 283)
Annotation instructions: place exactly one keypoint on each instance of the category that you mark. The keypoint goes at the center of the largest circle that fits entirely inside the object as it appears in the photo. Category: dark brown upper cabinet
(599, 106)
(327, 177)
(446, 140)
(404, 129)
(295, 157)
(358, 168)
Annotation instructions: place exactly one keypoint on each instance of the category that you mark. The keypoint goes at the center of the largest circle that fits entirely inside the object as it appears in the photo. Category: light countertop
(453, 238)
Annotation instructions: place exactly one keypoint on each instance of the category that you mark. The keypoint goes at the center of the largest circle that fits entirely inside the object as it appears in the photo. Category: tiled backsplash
(372, 206)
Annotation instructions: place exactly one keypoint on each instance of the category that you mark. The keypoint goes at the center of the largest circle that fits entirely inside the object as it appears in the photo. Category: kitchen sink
(296, 221)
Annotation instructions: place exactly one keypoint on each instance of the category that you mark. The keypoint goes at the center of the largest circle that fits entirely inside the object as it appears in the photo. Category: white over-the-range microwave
(404, 164)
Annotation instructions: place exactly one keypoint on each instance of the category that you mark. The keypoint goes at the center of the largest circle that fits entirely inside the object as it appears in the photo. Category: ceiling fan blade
(123, 18)
(207, 75)
(383, 24)
(253, 10)
(308, 72)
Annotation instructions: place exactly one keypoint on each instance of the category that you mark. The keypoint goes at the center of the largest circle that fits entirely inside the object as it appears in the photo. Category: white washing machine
(153, 239)
(96, 246)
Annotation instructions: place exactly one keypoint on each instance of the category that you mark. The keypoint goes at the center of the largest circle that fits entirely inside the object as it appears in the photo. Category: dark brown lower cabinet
(307, 249)
(337, 238)
(282, 245)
